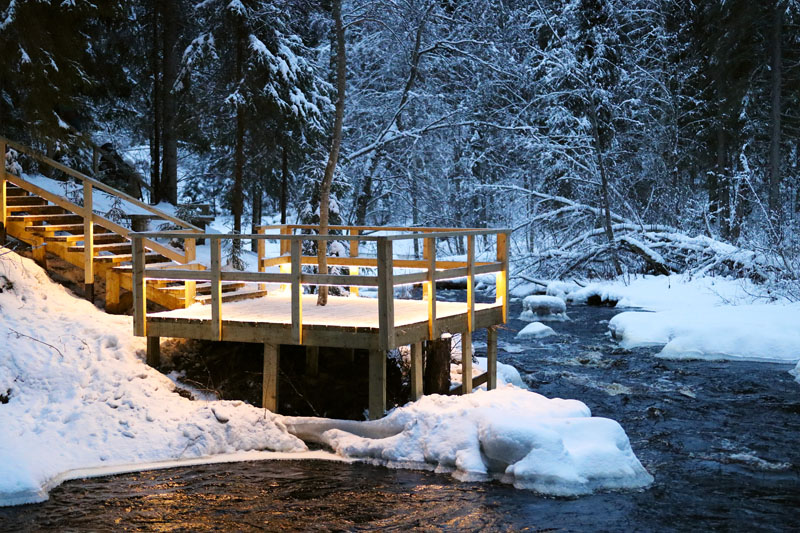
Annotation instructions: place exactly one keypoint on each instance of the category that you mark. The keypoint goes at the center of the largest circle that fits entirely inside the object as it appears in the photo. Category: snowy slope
(79, 396)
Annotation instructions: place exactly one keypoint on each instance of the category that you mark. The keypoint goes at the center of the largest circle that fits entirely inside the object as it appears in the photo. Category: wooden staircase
(52, 224)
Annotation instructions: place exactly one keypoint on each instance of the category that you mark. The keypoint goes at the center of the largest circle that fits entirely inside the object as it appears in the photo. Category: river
(721, 439)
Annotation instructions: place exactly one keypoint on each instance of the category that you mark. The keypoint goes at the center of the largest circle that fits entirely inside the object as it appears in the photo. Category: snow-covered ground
(77, 400)
(76, 395)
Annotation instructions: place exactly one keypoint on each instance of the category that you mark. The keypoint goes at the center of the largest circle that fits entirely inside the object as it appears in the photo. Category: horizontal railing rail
(291, 276)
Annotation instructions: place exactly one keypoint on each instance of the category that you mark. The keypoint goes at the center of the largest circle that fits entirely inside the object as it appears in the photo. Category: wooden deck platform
(346, 322)
(288, 316)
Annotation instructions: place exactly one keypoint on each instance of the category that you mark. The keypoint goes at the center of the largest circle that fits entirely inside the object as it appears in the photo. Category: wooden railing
(86, 210)
(291, 260)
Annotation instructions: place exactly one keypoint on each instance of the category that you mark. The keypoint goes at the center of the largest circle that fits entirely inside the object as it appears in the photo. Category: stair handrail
(98, 184)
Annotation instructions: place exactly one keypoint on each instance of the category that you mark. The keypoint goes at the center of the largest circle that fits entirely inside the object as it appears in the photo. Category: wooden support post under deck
(269, 383)
(312, 360)
(190, 287)
(416, 371)
(216, 290)
(386, 335)
(3, 197)
(491, 357)
(139, 289)
(354, 270)
(377, 384)
(88, 241)
(466, 362)
(154, 351)
(429, 287)
(297, 293)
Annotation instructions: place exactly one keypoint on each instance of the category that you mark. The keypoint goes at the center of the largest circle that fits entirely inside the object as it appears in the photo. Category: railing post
(285, 249)
(260, 253)
(501, 287)
(429, 287)
(139, 288)
(470, 283)
(216, 291)
(88, 241)
(3, 199)
(385, 295)
(354, 270)
(297, 292)
(190, 287)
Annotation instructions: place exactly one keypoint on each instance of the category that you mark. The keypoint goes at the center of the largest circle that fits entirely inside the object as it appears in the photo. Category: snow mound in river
(553, 446)
(537, 307)
(75, 394)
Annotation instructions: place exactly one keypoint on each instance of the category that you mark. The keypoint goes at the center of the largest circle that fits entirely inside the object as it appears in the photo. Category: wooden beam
(153, 351)
(112, 291)
(269, 382)
(466, 362)
(385, 295)
(416, 371)
(189, 287)
(138, 288)
(3, 198)
(501, 286)
(354, 270)
(429, 288)
(216, 288)
(88, 240)
(471, 283)
(377, 384)
(491, 357)
(297, 293)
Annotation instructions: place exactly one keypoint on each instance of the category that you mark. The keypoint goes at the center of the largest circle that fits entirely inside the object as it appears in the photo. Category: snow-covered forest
(613, 136)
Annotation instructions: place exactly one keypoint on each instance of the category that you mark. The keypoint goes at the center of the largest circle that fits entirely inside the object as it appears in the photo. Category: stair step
(99, 238)
(13, 190)
(52, 219)
(114, 247)
(67, 228)
(25, 200)
(149, 257)
(205, 287)
(233, 296)
(36, 209)
(168, 263)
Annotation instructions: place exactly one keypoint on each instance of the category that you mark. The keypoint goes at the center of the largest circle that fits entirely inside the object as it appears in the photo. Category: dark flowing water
(721, 439)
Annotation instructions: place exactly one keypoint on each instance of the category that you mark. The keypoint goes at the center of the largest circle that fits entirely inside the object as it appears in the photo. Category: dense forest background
(616, 136)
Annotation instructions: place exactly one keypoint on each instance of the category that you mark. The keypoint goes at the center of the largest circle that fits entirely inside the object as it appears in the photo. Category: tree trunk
(284, 182)
(723, 183)
(774, 201)
(604, 189)
(255, 218)
(333, 156)
(238, 157)
(437, 366)
(169, 172)
(155, 138)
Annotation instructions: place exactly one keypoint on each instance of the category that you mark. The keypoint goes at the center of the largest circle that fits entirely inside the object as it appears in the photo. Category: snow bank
(537, 307)
(535, 330)
(745, 332)
(796, 372)
(657, 293)
(75, 394)
(553, 446)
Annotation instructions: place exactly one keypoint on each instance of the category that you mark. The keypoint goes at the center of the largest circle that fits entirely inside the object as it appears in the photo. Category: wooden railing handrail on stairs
(86, 211)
